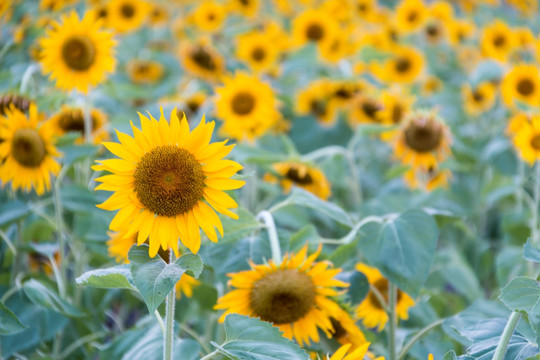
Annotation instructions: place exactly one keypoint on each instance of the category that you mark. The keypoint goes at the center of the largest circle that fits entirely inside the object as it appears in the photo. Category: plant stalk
(506, 335)
(168, 343)
(392, 300)
(268, 220)
(417, 337)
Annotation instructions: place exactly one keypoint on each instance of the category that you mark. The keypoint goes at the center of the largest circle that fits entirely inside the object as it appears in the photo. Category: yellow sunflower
(209, 16)
(126, 16)
(337, 48)
(516, 122)
(410, 15)
(370, 310)
(365, 109)
(202, 60)
(8, 100)
(144, 71)
(70, 119)
(248, 8)
(247, 106)
(435, 31)
(395, 106)
(404, 66)
(479, 100)
(521, 84)
(299, 174)
(427, 179)
(365, 9)
(313, 26)
(192, 104)
(345, 331)
(497, 41)
(77, 53)
(167, 181)
(344, 91)
(422, 140)
(441, 10)
(158, 14)
(258, 51)
(459, 31)
(317, 100)
(527, 140)
(292, 295)
(28, 151)
(356, 354)
(55, 5)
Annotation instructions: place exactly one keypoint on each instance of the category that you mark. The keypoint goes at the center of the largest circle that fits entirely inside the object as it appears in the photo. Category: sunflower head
(20, 102)
(127, 15)
(527, 138)
(144, 71)
(299, 174)
(201, 59)
(522, 84)
(72, 120)
(410, 15)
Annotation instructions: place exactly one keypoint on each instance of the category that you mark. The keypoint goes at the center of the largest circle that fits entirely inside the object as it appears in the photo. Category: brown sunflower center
(78, 52)
(432, 30)
(314, 32)
(74, 121)
(525, 87)
(317, 108)
(142, 68)
(343, 93)
(424, 136)
(193, 106)
(127, 10)
(28, 148)
(397, 114)
(412, 17)
(169, 180)
(283, 297)
(258, 54)
(243, 103)
(370, 109)
(499, 41)
(203, 58)
(102, 13)
(339, 330)
(296, 176)
(535, 142)
(403, 64)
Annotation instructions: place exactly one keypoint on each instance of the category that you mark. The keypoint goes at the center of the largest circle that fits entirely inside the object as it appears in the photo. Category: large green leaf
(402, 248)
(9, 324)
(113, 277)
(41, 295)
(234, 229)
(12, 211)
(154, 278)
(252, 339)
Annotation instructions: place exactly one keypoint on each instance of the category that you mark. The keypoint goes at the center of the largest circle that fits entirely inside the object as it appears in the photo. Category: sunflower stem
(87, 119)
(59, 222)
(417, 337)
(500, 351)
(392, 299)
(27, 76)
(268, 220)
(168, 343)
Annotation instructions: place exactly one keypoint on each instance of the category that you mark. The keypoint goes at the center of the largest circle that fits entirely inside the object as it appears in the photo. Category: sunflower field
(269, 179)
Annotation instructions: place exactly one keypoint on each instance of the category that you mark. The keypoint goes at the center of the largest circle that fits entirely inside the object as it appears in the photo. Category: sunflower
(317, 100)
(527, 140)
(299, 174)
(344, 91)
(410, 15)
(370, 310)
(313, 26)
(161, 179)
(247, 106)
(365, 109)
(39, 263)
(345, 331)
(158, 14)
(497, 41)
(209, 16)
(365, 9)
(427, 179)
(343, 353)
(404, 66)
(202, 60)
(422, 140)
(8, 100)
(395, 106)
(54, 5)
(126, 16)
(193, 103)
(292, 295)
(70, 119)
(459, 31)
(479, 100)
(144, 71)
(248, 8)
(441, 10)
(337, 48)
(28, 151)
(522, 83)
(434, 31)
(77, 53)
(516, 122)
(258, 51)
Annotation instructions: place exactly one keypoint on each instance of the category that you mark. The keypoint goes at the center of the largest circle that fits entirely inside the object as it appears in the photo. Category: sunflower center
(432, 30)
(424, 136)
(525, 87)
(477, 96)
(78, 52)
(127, 10)
(243, 103)
(413, 16)
(317, 107)
(403, 64)
(343, 93)
(193, 106)
(258, 54)
(28, 148)
(143, 68)
(499, 41)
(74, 121)
(283, 297)
(169, 181)
(370, 109)
(382, 287)
(314, 32)
(397, 114)
(339, 330)
(203, 59)
(535, 142)
(299, 178)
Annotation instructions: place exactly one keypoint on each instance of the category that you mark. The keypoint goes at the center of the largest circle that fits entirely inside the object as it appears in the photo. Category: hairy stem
(168, 343)
(268, 220)
(392, 300)
(506, 335)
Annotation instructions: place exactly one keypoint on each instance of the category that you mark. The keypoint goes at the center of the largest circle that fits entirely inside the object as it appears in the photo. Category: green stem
(168, 343)
(392, 300)
(160, 321)
(59, 222)
(208, 356)
(196, 336)
(268, 220)
(81, 342)
(417, 337)
(506, 335)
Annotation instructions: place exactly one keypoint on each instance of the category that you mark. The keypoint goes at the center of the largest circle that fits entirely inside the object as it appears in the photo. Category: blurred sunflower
(370, 310)
(365, 9)
(192, 104)
(258, 51)
(8, 100)
(144, 71)
(527, 140)
(28, 151)
(516, 122)
(395, 106)
(459, 30)
(54, 5)
(209, 16)
(248, 8)
(336, 49)
(293, 295)
(316, 100)
(404, 66)
(427, 179)
(479, 100)
(434, 32)
(158, 14)
(410, 15)
(365, 109)
(70, 119)
(126, 16)
(161, 179)
(77, 53)
(343, 353)
(497, 41)
(345, 331)
(522, 84)
(344, 91)
(247, 106)
(202, 60)
(299, 174)
(313, 26)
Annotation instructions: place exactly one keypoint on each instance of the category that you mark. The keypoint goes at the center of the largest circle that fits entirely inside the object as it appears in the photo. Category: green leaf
(12, 211)
(531, 253)
(402, 248)
(252, 339)
(118, 277)
(9, 324)
(521, 294)
(154, 278)
(72, 153)
(304, 198)
(236, 229)
(41, 295)
(77, 198)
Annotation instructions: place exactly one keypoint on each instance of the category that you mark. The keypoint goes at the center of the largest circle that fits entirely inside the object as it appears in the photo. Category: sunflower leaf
(154, 278)
(43, 296)
(9, 324)
(118, 277)
(252, 339)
